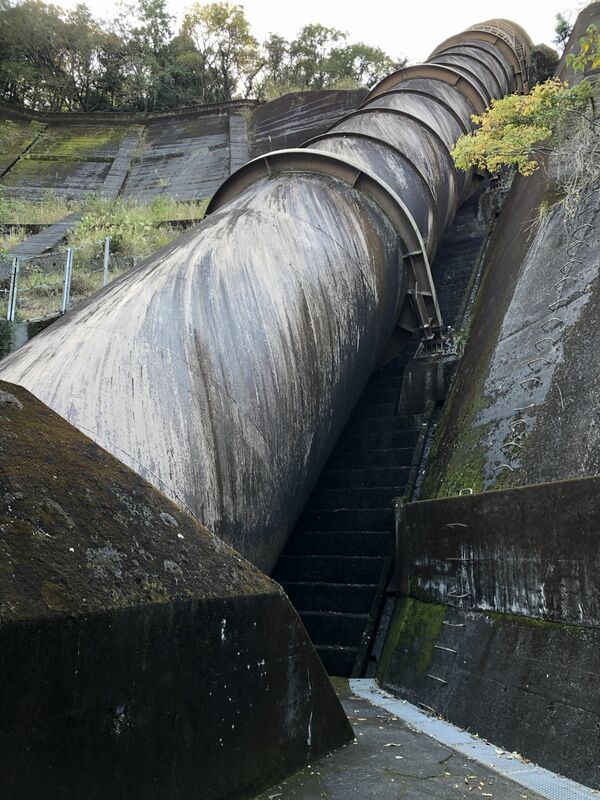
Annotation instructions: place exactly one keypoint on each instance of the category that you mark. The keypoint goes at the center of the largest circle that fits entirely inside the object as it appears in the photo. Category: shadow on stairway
(337, 562)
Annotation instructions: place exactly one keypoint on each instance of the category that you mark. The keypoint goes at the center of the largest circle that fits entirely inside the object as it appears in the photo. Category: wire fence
(46, 285)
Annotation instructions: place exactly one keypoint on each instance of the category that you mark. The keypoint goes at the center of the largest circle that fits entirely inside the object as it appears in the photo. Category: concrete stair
(335, 564)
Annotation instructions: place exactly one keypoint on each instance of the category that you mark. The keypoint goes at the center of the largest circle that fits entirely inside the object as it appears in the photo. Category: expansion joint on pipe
(365, 137)
(436, 72)
(422, 312)
(400, 90)
(500, 43)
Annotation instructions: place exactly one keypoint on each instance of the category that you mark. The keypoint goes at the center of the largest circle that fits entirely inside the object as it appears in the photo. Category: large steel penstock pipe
(224, 368)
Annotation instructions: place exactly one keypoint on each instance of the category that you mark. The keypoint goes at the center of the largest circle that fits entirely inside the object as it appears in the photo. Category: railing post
(106, 259)
(12, 292)
(67, 283)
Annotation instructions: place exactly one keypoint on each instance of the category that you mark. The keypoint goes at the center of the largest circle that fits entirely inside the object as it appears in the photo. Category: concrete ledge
(533, 550)
(139, 655)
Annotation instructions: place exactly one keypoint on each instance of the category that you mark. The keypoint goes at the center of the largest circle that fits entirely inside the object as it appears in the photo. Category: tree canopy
(55, 59)
(518, 129)
(562, 31)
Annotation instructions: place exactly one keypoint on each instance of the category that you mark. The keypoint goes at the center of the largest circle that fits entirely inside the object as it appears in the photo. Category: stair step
(456, 273)
(394, 457)
(398, 361)
(388, 424)
(384, 381)
(453, 295)
(318, 596)
(366, 410)
(391, 370)
(338, 661)
(364, 478)
(329, 628)
(348, 543)
(329, 569)
(346, 519)
(380, 392)
(355, 498)
(460, 250)
(359, 442)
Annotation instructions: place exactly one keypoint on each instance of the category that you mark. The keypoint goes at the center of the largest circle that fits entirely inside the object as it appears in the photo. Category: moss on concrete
(15, 135)
(80, 141)
(80, 532)
(459, 465)
(499, 618)
(416, 591)
(456, 461)
(459, 455)
(415, 627)
(40, 173)
(465, 470)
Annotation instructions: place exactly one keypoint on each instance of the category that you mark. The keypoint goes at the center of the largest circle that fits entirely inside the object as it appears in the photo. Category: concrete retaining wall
(498, 628)
(525, 685)
(14, 334)
(533, 551)
(185, 153)
(292, 119)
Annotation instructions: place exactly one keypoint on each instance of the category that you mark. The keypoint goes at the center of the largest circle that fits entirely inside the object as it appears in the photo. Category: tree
(53, 59)
(518, 129)
(361, 63)
(588, 56)
(31, 49)
(309, 54)
(515, 131)
(221, 33)
(111, 80)
(277, 59)
(144, 28)
(562, 30)
(82, 37)
(320, 58)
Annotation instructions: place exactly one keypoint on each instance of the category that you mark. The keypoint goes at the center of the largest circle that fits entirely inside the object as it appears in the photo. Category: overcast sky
(409, 29)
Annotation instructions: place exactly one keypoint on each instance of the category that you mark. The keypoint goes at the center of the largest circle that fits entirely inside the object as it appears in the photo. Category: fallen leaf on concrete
(392, 744)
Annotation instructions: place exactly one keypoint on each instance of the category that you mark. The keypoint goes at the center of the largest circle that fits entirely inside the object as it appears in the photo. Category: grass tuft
(136, 230)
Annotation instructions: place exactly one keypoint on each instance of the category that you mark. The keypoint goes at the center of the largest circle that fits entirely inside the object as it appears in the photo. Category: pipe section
(224, 368)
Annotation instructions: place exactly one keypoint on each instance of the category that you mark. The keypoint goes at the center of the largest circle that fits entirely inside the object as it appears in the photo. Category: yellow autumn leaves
(516, 130)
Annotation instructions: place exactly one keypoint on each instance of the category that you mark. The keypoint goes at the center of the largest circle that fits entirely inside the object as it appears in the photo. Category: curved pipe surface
(224, 368)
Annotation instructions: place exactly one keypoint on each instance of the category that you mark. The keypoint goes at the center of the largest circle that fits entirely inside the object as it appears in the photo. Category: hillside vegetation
(55, 59)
